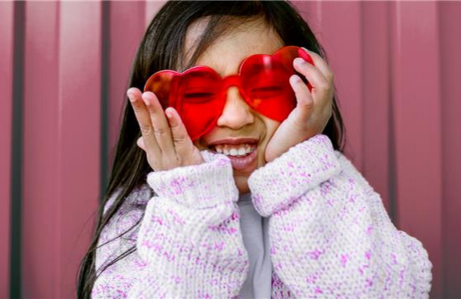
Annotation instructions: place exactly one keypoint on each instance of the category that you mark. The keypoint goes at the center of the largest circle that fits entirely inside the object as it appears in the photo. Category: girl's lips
(247, 163)
(244, 163)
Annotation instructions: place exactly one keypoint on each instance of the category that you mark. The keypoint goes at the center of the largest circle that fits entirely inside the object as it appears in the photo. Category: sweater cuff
(303, 167)
(197, 186)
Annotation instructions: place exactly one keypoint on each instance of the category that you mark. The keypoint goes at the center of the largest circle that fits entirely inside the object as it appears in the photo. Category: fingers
(164, 136)
(312, 74)
(319, 76)
(321, 64)
(144, 121)
(161, 128)
(182, 142)
(314, 101)
(303, 96)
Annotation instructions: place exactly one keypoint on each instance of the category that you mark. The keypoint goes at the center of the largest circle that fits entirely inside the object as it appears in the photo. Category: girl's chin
(242, 184)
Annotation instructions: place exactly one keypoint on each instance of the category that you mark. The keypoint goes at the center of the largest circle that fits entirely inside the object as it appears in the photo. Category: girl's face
(241, 132)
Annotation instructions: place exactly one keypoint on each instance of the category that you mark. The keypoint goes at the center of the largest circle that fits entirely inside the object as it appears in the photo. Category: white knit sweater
(330, 235)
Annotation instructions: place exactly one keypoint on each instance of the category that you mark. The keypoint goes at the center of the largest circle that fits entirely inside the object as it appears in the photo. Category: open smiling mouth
(242, 156)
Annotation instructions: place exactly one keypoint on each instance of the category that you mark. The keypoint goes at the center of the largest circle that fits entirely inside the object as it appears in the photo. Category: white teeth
(234, 150)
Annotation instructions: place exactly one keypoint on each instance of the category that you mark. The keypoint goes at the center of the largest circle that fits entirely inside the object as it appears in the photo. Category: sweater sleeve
(330, 234)
(189, 243)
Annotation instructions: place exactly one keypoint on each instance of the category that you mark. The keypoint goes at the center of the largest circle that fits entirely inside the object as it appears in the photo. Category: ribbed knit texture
(329, 233)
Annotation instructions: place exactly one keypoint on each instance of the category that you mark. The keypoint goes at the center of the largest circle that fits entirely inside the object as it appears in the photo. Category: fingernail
(146, 101)
(130, 96)
(295, 79)
(299, 61)
(305, 49)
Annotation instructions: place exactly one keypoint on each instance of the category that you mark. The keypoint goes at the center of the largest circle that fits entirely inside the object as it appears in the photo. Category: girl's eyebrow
(216, 68)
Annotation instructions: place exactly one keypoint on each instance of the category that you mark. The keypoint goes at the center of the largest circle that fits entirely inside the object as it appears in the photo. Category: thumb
(140, 143)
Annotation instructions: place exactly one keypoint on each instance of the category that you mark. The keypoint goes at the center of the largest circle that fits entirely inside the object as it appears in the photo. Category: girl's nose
(236, 113)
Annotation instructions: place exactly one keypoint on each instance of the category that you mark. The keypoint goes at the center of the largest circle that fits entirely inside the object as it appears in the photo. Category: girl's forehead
(227, 52)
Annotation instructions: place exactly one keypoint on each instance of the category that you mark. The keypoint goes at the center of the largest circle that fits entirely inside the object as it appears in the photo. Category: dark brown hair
(162, 47)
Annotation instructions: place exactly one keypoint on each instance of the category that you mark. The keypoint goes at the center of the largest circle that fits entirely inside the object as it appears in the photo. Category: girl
(229, 178)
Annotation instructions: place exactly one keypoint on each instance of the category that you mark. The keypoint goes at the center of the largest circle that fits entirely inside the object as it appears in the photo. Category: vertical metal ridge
(363, 102)
(105, 79)
(392, 171)
(17, 152)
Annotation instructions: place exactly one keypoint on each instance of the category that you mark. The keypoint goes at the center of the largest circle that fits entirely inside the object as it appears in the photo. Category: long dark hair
(162, 47)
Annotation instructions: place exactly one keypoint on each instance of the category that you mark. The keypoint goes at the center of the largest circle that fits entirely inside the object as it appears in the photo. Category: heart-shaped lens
(265, 80)
(195, 94)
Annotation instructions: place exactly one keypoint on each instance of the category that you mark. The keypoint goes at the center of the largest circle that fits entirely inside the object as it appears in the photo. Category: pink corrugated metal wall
(63, 73)
(6, 117)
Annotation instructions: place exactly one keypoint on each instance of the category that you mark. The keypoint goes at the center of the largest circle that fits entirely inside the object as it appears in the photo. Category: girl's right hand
(166, 142)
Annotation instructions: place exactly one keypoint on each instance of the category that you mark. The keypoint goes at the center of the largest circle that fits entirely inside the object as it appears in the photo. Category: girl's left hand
(313, 110)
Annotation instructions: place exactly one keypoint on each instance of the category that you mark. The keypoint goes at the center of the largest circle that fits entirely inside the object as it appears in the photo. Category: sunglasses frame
(166, 84)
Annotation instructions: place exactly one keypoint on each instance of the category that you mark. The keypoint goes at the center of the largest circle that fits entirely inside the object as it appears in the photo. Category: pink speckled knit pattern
(330, 234)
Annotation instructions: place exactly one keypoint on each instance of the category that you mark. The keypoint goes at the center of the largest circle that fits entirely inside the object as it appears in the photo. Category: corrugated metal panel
(41, 179)
(449, 42)
(6, 118)
(61, 142)
(417, 126)
(127, 25)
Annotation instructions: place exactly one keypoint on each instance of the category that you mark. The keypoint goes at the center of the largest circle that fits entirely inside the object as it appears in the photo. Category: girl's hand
(166, 142)
(313, 110)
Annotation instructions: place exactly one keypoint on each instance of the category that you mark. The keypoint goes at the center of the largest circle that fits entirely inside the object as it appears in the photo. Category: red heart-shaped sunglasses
(199, 93)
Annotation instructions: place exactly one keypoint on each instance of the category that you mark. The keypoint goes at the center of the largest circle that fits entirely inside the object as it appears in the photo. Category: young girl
(229, 178)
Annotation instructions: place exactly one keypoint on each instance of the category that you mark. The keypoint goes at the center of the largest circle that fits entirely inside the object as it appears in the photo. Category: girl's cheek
(199, 144)
(261, 155)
